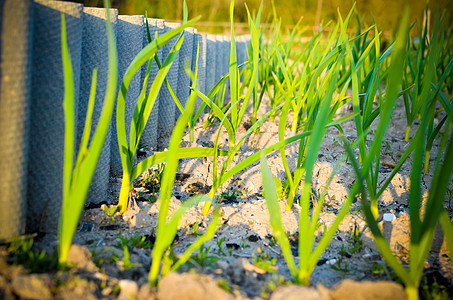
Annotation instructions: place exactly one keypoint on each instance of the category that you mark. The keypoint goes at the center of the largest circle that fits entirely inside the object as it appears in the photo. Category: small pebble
(331, 262)
(389, 217)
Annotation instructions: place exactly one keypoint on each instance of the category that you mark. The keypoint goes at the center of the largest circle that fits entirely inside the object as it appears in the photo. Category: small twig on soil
(100, 241)
(242, 255)
(273, 250)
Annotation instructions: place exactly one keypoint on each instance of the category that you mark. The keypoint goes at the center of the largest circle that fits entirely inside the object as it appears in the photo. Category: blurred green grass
(215, 13)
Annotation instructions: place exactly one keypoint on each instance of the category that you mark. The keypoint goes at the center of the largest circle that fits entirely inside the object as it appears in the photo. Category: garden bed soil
(238, 262)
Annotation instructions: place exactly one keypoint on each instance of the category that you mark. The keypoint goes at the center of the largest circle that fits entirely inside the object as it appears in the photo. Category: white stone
(389, 217)
(331, 262)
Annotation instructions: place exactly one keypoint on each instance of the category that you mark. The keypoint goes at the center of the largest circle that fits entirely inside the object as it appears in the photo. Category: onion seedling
(422, 225)
(77, 178)
(317, 93)
(166, 230)
(426, 79)
(143, 108)
(307, 224)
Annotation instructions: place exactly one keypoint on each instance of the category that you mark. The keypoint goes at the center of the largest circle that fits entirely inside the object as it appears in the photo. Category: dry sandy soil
(237, 264)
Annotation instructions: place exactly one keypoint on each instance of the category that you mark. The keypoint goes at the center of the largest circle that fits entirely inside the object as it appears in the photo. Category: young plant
(308, 257)
(417, 67)
(135, 241)
(203, 259)
(125, 262)
(77, 178)
(426, 80)
(108, 213)
(369, 82)
(142, 111)
(422, 225)
(275, 217)
(264, 262)
(271, 73)
(363, 122)
(251, 71)
(166, 230)
(239, 102)
(356, 243)
(21, 250)
(219, 178)
(193, 120)
(317, 90)
(219, 246)
(151, 181)
(236, 115)
(340, 267)
(228, 197)
(308, 97)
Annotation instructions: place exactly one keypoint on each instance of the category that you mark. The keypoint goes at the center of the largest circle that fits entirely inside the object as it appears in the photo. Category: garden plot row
(32, 91)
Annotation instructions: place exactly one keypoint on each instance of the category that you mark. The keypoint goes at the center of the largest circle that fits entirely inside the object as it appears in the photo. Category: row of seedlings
(32, 91)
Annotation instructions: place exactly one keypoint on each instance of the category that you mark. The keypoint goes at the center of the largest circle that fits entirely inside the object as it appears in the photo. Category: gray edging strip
(228, 48)
(226, 55)
(129, 42)
(15, 69)
(201, 43)
(210, 62)
(167, 105)
(225, 64)
(242, 45)
(219, 58)
(241, 54)
(149, 136)
(185, 54)
(95, 55)
(47, 123)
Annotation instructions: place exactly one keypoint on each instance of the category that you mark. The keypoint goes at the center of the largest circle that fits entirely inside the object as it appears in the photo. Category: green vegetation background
(385, 12)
